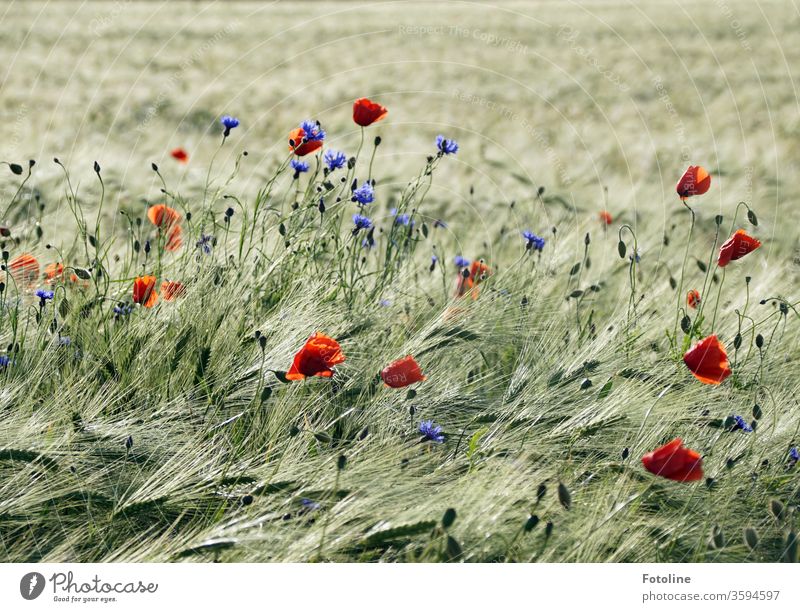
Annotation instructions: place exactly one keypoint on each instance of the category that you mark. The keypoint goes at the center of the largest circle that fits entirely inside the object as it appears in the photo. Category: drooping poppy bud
(708, 361)
(674, 461)
(319, 354)
(401, 373)
(693, 298)
(736, 247)
(366, 112)
(695, 181)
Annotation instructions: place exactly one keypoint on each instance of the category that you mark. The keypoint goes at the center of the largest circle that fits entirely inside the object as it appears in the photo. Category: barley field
(149, 407)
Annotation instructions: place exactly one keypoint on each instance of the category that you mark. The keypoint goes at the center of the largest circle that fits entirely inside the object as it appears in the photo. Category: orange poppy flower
(53, 272)
(401, 373)
(144, 291)
(708, 361)
(736, 247)
(171, 290)
(162, 216)
(605, 217)
(319, 354)
(180, 154)
(674, 461)
(695, 181)
(299, 147)
(693, 298)
(174, 240)
(366, 112)
(24, 269)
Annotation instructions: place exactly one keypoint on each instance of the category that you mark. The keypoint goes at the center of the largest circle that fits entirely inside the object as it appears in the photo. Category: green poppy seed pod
(377, 141)
(531, 523)
(564, 496)
(541, 490)
(540, 191)
(750, 538)
(341, 462)
(449, 518)
(587, 239)
(718, 220)
(5, 255)
(759, 341)
(31, 163)
(747, 279)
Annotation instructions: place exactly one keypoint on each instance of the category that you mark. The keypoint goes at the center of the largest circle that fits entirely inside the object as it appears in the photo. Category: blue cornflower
(5, 361)
(385, 303)
(298, 167)
(533, 241)
(44, 295)
(445, 146)
(431, 431)
(122, 310)
(361, 222)
(313, 130)
(364, 194)
(334, 159)
(309, 505)
(740, 423)
(205, 243)
(403, 219)
(794, 454)
(439, 223)
(64, 341)
(461, 262)
(228, 123)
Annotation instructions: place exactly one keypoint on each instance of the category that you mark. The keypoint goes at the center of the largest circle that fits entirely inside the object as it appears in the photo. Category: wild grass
(166, 435)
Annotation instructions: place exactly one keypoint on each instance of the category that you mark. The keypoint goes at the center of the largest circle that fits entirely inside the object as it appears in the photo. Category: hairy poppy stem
(683, 270)
(716, 303)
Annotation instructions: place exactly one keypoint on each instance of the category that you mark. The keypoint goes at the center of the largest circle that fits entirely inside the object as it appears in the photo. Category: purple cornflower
(439, 223)
(434, 259)
(298, 167)
(794, 454)
(431, 431)
(533, 241)
(361, 222)
(205, 243)
(740, 423)
(334, 159)
(228, 123)
(364, 195)
(5, 361)
(122, 310)
(313, 130)
(461, 262)
(445, 146)
(44, 295)
(309, 505)
(403, 219)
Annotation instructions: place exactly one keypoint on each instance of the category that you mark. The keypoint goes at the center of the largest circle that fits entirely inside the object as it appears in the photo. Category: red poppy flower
(299, 147)
(736, 247)
(162, 216)
(53, 272)
(708, 361)
(144, 291)
(674, 461)
(477, 272)
(319, 354)
(605, 217)
(174, 240)
(180, 154)
(24, 269)
(366, 112)
(695, 181)
(693, 298)
(171, 290)
(401, 373)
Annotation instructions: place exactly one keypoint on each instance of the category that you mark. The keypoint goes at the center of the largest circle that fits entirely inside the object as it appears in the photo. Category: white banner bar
(417, 588)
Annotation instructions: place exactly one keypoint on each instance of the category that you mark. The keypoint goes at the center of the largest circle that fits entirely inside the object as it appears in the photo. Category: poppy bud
(540, 191)
(321, 206)
(564, 496)
(751, 216)
(776, 509)
(229, 212)
(759, 341)
(621, 249)
(341, 462)
(686, 324)
(147, 246)
(750, 538)
(718, 220)
(154, 167)
(757, 412)
(449, 518)
(531, 523)
(262, 342)
(540, 492)
(625, 453)
(377, 141)
(548, 529)
(587, 239)
(97, 167)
